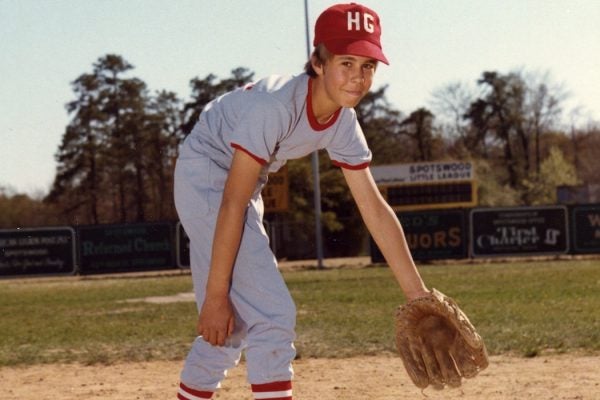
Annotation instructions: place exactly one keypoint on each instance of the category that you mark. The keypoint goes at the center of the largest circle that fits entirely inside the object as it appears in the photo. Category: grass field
(519, 308)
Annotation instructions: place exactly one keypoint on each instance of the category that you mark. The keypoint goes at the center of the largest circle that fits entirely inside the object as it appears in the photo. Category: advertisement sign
(586, 228)
(37, 251)
(432, 235)
(275, 194)
(443, 171)
(519, 231)
(124, 248)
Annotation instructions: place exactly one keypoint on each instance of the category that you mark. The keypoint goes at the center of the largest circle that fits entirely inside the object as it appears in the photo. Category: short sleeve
(349, 148)
(260, 127)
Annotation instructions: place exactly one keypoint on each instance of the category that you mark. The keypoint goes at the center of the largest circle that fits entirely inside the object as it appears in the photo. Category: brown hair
(321, 56)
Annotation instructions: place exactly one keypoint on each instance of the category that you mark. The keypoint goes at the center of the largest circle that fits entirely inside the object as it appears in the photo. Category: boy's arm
(382, 223)
(215, 322)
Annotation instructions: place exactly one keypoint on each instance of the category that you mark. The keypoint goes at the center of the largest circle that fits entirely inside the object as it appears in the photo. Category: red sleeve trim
(350, 166)
(260, 160)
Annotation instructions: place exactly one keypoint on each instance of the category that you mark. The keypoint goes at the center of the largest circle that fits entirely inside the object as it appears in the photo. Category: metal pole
(315, 165)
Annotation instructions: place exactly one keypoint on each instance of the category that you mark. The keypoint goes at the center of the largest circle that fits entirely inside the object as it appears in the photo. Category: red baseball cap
(350, 29)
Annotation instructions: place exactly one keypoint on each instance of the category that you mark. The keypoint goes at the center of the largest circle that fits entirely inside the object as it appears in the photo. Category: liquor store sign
(431, 235)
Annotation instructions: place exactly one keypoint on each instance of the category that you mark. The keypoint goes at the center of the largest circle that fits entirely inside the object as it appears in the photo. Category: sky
(46, 44)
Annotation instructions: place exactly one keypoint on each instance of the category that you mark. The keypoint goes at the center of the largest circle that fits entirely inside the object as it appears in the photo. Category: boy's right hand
(216, 321)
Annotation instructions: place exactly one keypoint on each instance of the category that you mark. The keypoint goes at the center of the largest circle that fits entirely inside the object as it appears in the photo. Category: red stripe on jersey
(260, 160)
(203, 394)
(311, 116)
(349, 166)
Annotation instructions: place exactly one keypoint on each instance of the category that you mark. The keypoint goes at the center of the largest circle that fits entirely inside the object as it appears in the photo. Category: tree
(110, 149)
(77, 184)
(554, 171)
(419, 127)
(207, 89)
(117, 155)
(380, 121)
(124, 103)
(543, 108)
(585, 149)
(492, 191)
(450, 104)
(163, 131)
(21, 211)
(498, 116)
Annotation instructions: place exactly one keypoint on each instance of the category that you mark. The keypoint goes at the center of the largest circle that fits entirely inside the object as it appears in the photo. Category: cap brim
(362, 48)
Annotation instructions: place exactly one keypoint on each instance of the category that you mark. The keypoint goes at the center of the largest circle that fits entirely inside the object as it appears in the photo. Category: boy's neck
(322, 107)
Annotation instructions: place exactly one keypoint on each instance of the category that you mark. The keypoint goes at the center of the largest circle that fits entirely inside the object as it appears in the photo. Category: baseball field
(124, 336)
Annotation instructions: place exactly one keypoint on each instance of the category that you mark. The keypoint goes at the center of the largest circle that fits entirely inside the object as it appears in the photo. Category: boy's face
(347, 78)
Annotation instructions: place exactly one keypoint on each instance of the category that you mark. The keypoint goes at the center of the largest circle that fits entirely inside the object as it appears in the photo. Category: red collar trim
(311, 116)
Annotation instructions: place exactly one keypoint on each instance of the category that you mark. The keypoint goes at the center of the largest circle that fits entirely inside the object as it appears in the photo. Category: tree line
(116, 158)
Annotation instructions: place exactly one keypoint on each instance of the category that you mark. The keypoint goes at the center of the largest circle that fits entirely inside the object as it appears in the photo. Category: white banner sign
(423, 172)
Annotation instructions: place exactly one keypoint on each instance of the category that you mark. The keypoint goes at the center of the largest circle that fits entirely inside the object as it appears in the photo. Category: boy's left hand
(216, 321)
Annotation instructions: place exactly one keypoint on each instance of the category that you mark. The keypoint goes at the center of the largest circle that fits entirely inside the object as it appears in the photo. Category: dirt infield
(379, 378)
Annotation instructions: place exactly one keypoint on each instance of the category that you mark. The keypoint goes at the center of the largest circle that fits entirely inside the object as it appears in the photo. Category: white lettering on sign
(354, 22)
(509, 236)
(552, 236)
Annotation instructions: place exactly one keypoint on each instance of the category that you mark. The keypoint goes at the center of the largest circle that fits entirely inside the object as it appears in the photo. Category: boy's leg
(205, 366)
(263, 301)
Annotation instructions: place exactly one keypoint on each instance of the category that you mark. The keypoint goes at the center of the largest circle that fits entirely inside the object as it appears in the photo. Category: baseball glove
(437, 343)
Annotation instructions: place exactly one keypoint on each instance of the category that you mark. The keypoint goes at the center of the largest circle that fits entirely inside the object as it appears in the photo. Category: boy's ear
(317, 64)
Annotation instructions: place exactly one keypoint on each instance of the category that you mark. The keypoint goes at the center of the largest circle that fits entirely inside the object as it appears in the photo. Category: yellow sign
(275, 194)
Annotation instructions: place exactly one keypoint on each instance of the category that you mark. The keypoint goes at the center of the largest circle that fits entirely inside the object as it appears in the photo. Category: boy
(243, 302)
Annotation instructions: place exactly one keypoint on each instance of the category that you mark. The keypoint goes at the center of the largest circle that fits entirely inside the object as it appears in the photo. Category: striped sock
(273, 391)
(186, 393)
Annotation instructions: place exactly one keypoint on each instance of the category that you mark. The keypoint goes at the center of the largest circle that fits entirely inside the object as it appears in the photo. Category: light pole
(315, 164)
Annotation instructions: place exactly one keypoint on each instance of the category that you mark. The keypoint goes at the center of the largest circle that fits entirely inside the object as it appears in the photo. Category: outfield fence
(431, 235)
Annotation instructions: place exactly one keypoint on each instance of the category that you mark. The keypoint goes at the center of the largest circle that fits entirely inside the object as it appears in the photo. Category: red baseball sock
(273, 391)
(186, 393)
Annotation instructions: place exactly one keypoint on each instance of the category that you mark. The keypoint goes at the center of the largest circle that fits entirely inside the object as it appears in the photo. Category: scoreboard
(430, 185)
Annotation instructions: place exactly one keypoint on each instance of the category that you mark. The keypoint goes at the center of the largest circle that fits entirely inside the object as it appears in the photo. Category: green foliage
(519, 308)
(492, 193)
(554, 171)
